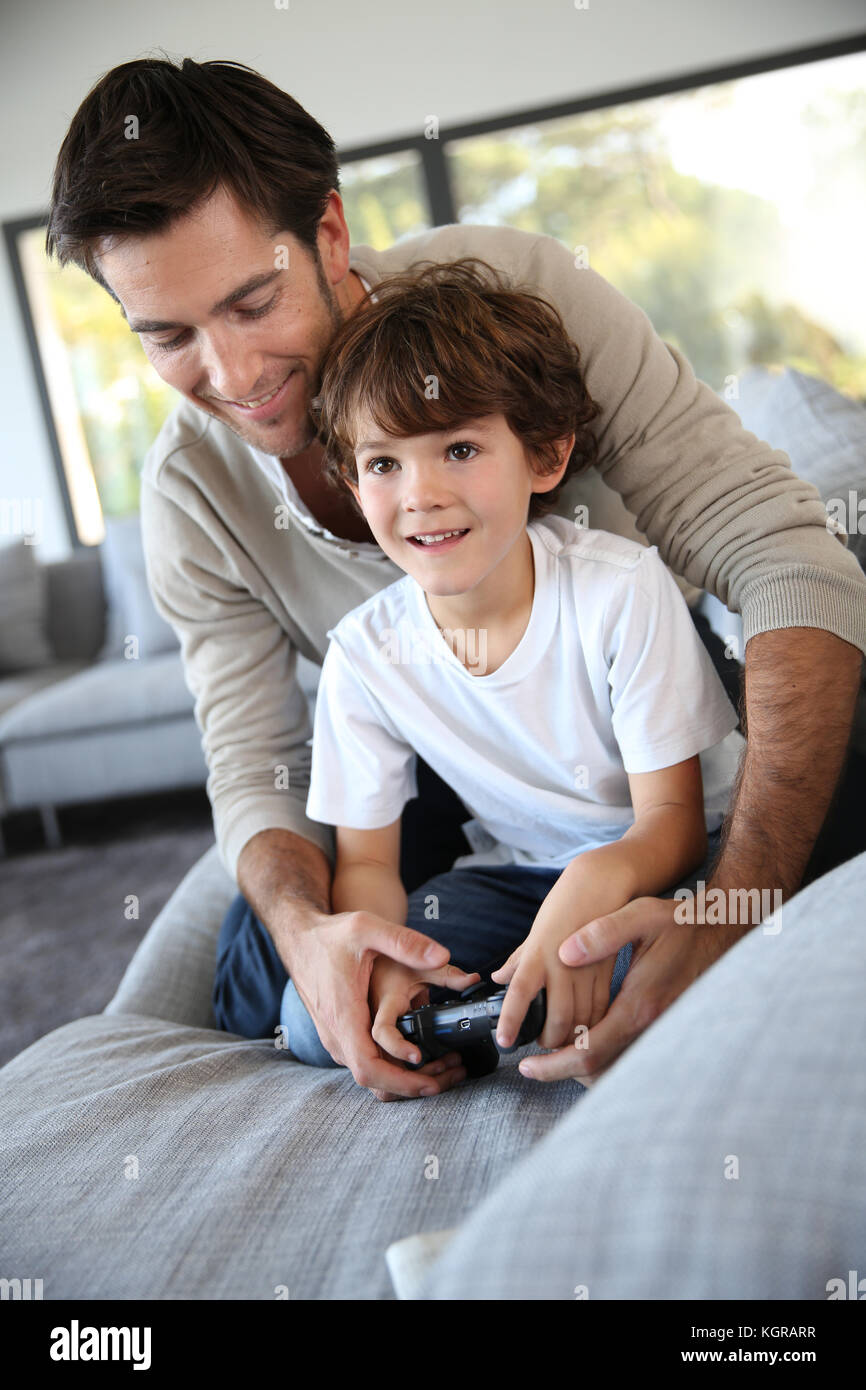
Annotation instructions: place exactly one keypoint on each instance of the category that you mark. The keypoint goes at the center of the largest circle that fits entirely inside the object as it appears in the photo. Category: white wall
(367, 71)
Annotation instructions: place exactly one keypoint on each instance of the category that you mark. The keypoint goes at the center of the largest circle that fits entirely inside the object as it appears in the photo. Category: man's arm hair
(801, 686)
(279, 870)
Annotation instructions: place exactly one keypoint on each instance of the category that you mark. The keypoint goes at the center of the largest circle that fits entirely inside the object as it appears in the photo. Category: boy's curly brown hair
(491, 349)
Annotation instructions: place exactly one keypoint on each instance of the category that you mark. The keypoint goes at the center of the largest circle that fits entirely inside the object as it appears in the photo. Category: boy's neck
(500, 606)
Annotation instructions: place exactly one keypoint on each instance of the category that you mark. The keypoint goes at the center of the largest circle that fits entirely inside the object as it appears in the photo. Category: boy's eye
(461, 444)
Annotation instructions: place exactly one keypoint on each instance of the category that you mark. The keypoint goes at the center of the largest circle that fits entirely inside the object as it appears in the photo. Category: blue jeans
(481, 915)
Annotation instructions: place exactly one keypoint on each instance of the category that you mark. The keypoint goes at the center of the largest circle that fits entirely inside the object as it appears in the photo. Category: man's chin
(280, 440)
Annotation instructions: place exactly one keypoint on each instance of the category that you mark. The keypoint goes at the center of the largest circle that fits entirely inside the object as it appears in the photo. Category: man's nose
(231, 369)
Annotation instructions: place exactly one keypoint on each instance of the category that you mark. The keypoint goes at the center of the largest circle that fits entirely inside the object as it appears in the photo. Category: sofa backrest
(76, 615)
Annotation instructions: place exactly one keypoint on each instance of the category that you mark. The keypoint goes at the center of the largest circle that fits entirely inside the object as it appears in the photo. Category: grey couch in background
(90, 724)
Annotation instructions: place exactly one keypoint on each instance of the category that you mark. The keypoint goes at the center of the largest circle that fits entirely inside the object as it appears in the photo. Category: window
(729, 206)
(733, 214)
(384, 199)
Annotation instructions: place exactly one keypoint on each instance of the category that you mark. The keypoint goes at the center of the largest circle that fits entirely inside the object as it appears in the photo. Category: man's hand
(667, 957)
(331, 960)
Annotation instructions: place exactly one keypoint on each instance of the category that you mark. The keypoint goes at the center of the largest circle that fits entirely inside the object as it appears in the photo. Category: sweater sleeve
(240, 666)
(725, 509)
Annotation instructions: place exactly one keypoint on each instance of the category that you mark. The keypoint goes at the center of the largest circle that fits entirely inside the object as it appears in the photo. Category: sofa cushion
(95, 764)
(24, 643)
(107, 695)
(148, 1160)
(822, 432)
(824, 435)
(76, 605)
(23, 684)
(131, 609)
(721, 1157)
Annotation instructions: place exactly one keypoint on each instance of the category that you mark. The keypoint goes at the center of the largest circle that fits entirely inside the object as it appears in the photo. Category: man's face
(227, 323)
(475, 478)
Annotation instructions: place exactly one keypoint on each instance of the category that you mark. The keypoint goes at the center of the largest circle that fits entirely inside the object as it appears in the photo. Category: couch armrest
(171, 975)
(634, 1194)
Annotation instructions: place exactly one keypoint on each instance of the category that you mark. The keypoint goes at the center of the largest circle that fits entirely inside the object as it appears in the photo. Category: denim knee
(249, 977)
(620, 969)
(299, 1031)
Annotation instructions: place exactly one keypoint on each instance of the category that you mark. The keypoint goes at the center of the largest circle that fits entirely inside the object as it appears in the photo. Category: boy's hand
(395, 989)
(575, 995)
(596, 881)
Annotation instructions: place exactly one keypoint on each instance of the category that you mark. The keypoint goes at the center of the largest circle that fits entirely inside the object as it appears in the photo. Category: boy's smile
(475, 480)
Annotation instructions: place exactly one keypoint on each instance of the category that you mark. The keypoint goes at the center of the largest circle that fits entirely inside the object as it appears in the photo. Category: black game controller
(467, 1025)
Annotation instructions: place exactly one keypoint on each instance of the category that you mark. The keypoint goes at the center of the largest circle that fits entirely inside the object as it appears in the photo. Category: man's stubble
(308, 429)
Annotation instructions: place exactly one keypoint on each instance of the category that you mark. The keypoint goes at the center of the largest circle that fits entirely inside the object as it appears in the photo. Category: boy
(551, 675)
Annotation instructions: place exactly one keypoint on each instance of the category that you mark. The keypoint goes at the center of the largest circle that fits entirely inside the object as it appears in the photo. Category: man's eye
(260, 311)
(172, 344)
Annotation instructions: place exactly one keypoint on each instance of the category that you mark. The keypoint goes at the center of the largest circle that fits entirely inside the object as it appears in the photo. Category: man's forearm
(800, 692)
(284, 878)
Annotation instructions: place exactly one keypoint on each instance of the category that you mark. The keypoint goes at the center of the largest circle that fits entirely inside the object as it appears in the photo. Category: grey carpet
(65, 938)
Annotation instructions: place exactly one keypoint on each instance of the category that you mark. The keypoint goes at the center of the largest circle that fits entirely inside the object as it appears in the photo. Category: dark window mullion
(440, 198)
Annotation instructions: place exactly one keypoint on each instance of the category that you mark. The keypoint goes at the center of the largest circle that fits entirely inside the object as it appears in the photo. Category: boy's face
(475, 479)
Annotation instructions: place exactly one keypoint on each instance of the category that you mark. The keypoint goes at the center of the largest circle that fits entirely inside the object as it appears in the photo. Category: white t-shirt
(609, 677)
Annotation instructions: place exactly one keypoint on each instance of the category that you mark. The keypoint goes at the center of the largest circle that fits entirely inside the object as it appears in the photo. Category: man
(219, 229)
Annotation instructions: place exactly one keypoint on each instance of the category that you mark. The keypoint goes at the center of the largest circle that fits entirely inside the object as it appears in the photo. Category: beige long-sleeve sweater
(675, 467)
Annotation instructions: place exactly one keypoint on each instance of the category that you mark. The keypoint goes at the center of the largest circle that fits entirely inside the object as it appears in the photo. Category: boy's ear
(546, 482)
(356, 495)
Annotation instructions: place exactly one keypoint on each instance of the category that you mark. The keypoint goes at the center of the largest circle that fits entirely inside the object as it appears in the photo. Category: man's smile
(259, 407)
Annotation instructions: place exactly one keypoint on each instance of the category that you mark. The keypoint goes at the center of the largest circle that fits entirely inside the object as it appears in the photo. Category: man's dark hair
(492, 348)
(196, 127)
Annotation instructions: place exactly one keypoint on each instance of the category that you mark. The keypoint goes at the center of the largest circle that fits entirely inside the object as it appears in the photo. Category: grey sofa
(148, 1156)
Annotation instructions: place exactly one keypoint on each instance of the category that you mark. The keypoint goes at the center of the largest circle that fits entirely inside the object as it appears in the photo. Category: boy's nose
(423, 490)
